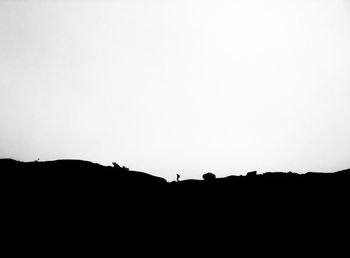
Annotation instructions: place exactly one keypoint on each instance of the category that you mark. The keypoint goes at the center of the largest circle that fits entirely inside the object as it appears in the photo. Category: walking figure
(177, 177)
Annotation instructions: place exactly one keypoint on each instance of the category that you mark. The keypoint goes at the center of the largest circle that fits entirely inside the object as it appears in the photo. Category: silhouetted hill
(71, 175)
(74, 184)
(72, 170)
(78, 184)
(78, 175)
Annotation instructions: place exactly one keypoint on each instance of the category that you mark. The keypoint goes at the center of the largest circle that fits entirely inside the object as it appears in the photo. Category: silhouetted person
(177, 177)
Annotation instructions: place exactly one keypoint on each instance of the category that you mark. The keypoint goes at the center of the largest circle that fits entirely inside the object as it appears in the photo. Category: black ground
(83, 200)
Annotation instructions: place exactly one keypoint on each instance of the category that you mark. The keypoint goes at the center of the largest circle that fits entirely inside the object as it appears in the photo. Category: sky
(185, 86)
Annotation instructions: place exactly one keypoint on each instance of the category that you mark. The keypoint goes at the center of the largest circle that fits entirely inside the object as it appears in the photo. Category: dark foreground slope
(80, 199)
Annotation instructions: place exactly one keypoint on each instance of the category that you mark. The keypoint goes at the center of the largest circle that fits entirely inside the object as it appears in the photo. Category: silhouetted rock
(209, 176)
(252, 173)
(115, 165)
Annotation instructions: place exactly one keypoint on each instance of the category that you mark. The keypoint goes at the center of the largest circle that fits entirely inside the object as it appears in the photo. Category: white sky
(185, 86)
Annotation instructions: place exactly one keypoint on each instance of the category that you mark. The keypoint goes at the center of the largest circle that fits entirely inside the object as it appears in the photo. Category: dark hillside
(63, 178)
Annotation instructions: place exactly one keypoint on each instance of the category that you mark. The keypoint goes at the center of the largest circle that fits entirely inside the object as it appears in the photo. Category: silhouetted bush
(209, 176)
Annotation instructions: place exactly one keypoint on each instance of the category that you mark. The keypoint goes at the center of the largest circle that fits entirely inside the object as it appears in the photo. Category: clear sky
(185, 86)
